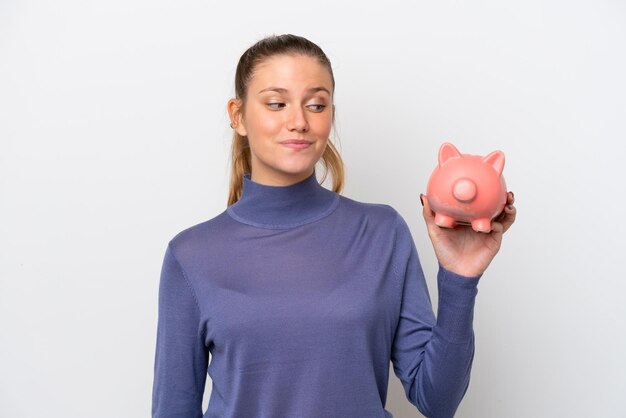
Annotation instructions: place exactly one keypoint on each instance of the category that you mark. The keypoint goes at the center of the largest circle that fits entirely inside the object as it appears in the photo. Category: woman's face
(289, 98)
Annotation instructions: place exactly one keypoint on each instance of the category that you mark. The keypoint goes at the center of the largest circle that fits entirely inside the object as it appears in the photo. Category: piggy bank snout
(464, 190)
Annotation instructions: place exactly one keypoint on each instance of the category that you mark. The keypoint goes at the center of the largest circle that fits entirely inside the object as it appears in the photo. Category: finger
(510, 198)
(427, 211)
(429, 216)
(511, 214)
(501, 216)
(497, 227)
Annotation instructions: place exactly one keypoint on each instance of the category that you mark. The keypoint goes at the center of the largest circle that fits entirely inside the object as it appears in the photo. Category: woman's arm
(181, 358)
(433, 358)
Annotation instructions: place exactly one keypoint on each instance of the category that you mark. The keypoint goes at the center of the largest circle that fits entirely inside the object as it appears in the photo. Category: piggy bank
(467, 189)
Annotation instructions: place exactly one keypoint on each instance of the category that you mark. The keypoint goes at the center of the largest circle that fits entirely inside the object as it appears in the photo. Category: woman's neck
(282, 207)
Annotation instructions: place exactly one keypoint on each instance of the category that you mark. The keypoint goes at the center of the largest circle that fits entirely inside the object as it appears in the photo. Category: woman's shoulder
(379, 212)
(198, 235)
(383, 220)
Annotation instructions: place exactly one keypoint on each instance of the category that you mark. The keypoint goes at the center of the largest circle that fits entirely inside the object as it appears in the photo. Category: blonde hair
(240, 149)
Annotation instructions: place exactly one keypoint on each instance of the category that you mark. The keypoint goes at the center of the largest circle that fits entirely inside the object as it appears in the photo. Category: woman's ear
(236, 116)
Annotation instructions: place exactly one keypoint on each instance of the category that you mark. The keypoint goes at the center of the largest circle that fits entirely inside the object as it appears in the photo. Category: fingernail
(422, 199)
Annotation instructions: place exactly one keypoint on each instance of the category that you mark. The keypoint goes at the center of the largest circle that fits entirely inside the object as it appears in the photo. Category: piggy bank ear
(495, 159)
(447, 151)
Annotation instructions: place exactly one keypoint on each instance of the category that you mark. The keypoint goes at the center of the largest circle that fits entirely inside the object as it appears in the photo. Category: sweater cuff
(455, 312)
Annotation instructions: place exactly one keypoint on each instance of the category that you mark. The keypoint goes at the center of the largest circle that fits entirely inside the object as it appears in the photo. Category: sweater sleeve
(433, 357)
(180, 365)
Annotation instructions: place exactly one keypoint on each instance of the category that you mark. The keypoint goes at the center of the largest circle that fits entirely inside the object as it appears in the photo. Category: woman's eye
(316, 108)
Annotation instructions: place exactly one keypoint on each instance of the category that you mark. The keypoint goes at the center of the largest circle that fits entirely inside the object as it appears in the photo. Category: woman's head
(284, 89)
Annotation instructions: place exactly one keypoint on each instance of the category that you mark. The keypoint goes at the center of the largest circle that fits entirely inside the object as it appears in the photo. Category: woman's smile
(297, 144)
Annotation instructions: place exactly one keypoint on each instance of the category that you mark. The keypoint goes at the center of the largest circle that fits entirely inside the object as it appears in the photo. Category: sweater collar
(281, 207)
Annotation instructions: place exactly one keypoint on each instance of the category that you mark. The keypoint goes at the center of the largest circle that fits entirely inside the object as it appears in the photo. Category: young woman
(303, 296)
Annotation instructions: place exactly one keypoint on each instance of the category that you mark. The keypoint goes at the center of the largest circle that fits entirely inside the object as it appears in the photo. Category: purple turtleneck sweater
(302, 297)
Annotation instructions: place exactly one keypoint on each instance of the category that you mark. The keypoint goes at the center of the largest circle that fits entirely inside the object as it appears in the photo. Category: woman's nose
(297, 120)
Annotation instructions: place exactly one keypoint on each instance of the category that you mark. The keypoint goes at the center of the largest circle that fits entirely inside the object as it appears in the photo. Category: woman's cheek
(270, 124)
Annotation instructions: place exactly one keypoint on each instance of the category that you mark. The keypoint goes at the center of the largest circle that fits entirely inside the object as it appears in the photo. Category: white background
(114, 137)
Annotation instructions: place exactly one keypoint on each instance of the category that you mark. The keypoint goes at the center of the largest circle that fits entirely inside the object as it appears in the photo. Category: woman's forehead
(284, 73)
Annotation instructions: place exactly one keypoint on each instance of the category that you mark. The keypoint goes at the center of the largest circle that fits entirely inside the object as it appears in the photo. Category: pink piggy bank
(467, 189)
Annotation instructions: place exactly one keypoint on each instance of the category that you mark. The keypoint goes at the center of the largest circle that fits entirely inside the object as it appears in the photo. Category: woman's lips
(295, 144)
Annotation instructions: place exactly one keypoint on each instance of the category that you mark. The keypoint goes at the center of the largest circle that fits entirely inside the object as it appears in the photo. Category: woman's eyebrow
(282, 90)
